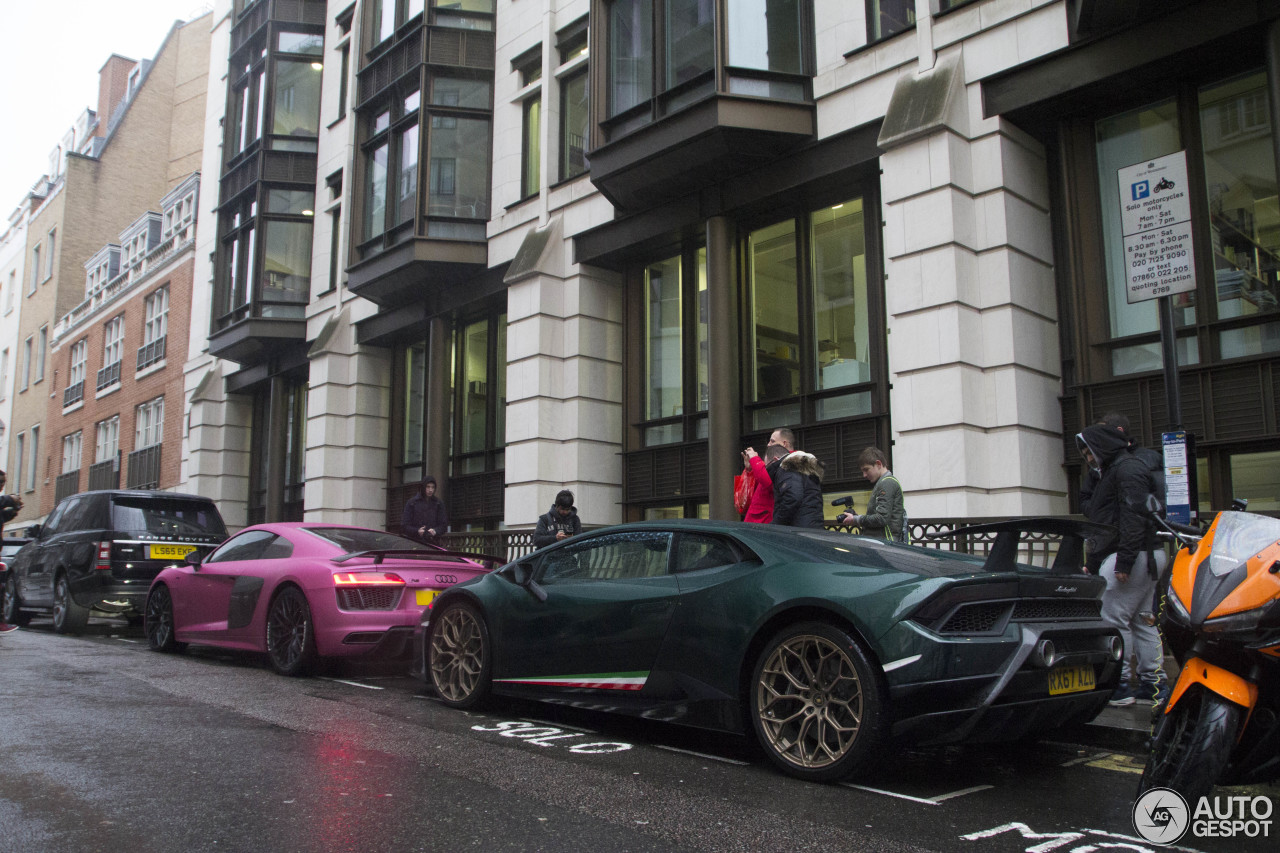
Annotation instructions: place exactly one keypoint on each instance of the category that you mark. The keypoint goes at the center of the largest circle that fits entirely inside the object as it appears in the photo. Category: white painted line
(890, 794)
(352, 683)
(557, 725)
(1138, 840)
(123, 640)
(975, 789)
(704, 755)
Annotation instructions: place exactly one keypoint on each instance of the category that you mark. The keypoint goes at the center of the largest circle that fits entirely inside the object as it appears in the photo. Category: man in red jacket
(760, 509)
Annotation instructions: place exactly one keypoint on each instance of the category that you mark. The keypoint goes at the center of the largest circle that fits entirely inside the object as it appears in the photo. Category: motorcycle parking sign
(1155, 217)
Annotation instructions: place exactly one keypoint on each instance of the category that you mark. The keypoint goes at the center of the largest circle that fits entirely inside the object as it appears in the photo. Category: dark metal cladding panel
(639, 476)
(1237, 408)
(668, 473)
(244, 598)
(696, 473)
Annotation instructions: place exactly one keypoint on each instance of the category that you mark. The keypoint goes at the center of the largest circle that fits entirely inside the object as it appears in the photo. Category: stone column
(217, 444)
(348, 425)
(564, 383)
(971, 305)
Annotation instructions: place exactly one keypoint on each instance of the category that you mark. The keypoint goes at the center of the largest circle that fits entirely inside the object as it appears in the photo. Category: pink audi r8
(303, 591)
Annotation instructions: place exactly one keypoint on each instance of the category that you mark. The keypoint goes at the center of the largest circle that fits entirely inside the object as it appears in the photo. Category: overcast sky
(50, 53)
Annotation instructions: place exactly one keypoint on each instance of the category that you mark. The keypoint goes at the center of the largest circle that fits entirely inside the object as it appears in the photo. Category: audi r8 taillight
(368, 590)
(367, 579)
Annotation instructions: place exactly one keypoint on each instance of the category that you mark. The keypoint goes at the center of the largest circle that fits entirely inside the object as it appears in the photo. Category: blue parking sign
(1141, 189)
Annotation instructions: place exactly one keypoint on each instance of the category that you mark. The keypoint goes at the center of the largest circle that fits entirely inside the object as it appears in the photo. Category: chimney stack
(113, 86)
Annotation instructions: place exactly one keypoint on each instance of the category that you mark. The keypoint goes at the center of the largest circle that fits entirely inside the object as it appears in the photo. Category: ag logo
(1161, 816)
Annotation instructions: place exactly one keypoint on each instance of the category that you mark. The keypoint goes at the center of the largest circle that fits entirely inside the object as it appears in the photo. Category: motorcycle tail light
(367, 579)
(103, 561)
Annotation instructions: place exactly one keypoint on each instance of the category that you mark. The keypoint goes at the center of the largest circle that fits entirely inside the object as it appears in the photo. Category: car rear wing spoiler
(491, 562)
(1003, 556)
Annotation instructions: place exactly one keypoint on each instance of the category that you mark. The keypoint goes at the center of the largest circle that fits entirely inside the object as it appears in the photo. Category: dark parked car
(101, 550)
(823, 645)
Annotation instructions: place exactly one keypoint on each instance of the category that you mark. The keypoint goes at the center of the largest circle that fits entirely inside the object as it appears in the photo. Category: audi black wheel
(158, 622)
(291, 640)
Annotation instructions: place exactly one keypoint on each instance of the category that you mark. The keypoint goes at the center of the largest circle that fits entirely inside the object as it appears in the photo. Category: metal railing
(144, 468)
(109, 375)
(149, 354)
(105, 475)
(66, 485)
(1036, 549)
(73, 394)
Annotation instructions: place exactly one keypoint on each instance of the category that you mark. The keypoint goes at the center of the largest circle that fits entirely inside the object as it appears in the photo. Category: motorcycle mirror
(1239, 504)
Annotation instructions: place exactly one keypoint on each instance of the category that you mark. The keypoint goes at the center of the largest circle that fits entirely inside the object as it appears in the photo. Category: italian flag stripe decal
(593, 681)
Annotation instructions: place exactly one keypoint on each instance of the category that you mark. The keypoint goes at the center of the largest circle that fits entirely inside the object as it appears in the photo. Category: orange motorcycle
(1221, 618)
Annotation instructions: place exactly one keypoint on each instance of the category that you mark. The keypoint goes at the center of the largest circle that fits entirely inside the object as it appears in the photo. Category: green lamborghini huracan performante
(827, 646)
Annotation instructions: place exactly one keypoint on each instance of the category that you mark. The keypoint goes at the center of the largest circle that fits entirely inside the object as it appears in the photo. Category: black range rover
(100, 551)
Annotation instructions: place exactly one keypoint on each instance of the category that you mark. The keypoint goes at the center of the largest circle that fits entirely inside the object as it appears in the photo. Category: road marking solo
(543, 735)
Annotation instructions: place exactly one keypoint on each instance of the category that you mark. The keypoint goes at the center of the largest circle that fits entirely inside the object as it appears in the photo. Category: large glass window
(286, 266)
(630, 54)
(889, 17)
(415, 401)
(1244, 217)
(573, 125)
(245, 111)
(1256, 477)
(664, 355)
(391, 165)
(481, 350)
(530, 140)
(1122, 140)
(459, 172)
(296, 102)
(675, 324)
(765, 35)
(829, 348)
(689, 38)
(71, 448)
(108, 439)
(238, 264)
(464, 14)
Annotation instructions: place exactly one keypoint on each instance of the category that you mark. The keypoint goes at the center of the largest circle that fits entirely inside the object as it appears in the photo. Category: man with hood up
(797, 491)
(1128, 565)
(424, 517)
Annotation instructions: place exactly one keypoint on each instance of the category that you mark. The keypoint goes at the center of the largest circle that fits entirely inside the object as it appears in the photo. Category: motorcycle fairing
(1221, 681)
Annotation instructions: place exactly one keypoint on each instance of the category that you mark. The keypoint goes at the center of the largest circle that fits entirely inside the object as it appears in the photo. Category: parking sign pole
(1169, 351)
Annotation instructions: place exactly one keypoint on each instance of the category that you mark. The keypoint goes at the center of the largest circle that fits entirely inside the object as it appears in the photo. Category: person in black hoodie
(424, 517)
(797, 491)
(560, 522)
(1126, 561)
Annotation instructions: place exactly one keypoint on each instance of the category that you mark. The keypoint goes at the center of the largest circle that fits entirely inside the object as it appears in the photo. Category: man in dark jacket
(424, 517)
(797, 491)
(1119, 499)
(560, 522)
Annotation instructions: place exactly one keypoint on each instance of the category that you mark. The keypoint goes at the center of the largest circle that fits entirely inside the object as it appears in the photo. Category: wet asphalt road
(105, 746)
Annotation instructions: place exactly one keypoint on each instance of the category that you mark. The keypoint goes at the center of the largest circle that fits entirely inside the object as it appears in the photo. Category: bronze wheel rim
(809, 702)
(457, 654)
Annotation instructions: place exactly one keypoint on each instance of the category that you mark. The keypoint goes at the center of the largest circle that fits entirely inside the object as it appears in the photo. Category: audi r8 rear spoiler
(491, 562)
(1004, 552)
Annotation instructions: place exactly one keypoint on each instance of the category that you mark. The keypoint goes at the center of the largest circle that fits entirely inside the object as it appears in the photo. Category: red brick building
(116, 402)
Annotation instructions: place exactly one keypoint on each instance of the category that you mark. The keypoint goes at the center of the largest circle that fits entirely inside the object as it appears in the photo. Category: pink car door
(218, 597)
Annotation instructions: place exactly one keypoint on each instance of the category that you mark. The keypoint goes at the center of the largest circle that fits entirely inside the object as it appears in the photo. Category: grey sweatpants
(1121, 604)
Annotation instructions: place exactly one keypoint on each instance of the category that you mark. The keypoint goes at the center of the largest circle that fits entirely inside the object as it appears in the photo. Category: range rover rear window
(166, 517)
